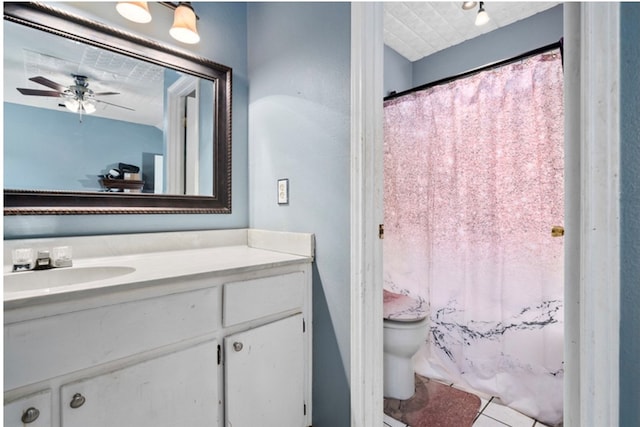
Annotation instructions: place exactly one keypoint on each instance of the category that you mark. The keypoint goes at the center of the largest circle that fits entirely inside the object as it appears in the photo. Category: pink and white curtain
(473, 185)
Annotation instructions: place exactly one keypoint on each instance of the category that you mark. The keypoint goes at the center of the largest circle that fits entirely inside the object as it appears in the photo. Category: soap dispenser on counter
(23, 259)
(61, 256)
(43, 260)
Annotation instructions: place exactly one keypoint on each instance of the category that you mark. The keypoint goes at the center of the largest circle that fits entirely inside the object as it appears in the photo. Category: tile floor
(491, 414)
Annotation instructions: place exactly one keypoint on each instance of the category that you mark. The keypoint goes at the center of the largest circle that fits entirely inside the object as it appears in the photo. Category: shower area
(473, 170)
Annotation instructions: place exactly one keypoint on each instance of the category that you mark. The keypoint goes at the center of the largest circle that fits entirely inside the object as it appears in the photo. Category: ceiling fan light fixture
(82, 107)
(184, 24)
(482, 17)
(468, 5)
(88, 107)
(72, 105)
(136, 11)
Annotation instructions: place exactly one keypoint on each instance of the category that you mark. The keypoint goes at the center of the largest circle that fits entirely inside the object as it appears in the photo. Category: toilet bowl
(405, 328)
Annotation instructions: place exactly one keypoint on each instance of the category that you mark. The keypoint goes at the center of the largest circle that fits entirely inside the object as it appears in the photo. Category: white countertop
(156, 267)
(161, 265)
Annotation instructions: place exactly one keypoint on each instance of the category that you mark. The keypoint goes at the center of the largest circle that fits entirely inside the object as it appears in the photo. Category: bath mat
(434, 405)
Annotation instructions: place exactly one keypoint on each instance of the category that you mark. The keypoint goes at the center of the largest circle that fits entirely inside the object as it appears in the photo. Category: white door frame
(366, 213)
(592, 255)
(174, 134)
(192, 146)
(592, 282)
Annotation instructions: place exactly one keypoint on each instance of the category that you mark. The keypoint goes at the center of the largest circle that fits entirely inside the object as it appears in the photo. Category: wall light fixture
(184, 24)
(184, 27)
(482, 17)
(136, 11)
(468, 5)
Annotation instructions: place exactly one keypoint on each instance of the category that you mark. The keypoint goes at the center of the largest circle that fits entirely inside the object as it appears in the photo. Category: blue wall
(536, 31)
(398, 72)
(630, 219)
(299, 128)
(41, 143)
(223, 31)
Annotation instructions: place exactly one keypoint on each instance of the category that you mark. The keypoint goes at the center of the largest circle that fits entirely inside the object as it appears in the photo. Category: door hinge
(219, 354)
(304, 326)
(381, 231)
(304, 409)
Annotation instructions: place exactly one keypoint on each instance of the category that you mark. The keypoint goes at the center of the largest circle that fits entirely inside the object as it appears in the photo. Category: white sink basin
(42, 279)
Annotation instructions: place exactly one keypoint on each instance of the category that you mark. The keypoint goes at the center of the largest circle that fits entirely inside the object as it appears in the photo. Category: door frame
(366, 213)
(592, 260)
(174, 139)
(592, 214)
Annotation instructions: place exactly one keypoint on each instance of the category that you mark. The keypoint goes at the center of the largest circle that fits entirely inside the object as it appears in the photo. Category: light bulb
(136, 11)
(482, 17)
(72, 104)
(468, 5)
(89, 107)
(184, 25)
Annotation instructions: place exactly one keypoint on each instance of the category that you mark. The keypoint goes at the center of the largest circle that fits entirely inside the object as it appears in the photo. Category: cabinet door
(32, 411)
(178, 389)
(264, 379)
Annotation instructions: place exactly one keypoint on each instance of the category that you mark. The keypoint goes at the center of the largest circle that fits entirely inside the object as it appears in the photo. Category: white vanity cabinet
(219, 349)
(177, 389)
(266, 366)
(32, 410)
(265, 375)
(142, 362)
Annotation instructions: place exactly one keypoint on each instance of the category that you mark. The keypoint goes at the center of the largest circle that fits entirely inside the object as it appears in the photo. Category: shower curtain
(473, 174)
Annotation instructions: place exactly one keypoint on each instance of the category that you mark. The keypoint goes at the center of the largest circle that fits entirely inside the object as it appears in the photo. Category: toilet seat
(402, 308)
(405, 329)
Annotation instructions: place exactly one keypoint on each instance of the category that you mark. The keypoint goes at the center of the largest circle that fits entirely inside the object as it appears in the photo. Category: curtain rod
(556, 45)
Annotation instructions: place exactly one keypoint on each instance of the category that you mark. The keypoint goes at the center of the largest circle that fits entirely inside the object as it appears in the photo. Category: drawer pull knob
(30, 415)
(77, 401)
(237, 346)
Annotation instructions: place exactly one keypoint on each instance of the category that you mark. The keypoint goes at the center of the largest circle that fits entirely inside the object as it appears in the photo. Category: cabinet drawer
(39, 402)
(47, 347)
(252, 299)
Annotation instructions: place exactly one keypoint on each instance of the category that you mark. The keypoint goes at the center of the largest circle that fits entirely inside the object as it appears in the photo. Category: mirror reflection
(81, 118)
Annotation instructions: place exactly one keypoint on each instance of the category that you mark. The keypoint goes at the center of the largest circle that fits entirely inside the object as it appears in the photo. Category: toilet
(405, 329)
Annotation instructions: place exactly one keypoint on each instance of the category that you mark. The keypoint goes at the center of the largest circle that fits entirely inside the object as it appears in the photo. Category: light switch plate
(283, 191)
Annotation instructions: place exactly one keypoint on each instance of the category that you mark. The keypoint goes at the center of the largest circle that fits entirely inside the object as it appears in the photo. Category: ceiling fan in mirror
(78, 97)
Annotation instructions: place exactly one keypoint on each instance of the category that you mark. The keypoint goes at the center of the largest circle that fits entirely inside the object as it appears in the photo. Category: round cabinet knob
(237, 346)
(77, 401)
(30, 415)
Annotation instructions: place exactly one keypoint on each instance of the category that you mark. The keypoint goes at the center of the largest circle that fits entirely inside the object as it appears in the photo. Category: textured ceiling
(30, 53)
(419, 29)
(413, 29)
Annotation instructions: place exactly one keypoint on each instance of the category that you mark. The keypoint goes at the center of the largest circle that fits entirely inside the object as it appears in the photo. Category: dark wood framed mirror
(94, 196)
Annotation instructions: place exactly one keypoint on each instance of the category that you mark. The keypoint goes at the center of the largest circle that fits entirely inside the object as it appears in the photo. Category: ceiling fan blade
(37, 92)
(115, 105)
(106, 93)
(48, 83)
